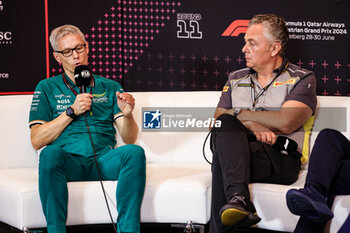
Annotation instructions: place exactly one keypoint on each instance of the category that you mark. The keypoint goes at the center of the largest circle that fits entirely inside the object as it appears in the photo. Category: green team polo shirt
(52, 97)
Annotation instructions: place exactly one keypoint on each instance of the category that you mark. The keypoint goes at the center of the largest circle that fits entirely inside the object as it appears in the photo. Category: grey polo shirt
(290, 83)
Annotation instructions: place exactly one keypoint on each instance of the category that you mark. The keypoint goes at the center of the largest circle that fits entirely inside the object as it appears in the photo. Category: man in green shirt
(58, 120)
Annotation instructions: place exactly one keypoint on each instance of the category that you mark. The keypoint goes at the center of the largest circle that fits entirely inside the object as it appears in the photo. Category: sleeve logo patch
(225, 89)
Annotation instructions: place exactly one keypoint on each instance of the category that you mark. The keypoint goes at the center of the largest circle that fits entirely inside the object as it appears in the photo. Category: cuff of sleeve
(116, 116)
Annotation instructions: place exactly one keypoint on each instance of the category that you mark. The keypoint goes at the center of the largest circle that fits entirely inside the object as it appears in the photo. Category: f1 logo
(236, 27)
(152, 119)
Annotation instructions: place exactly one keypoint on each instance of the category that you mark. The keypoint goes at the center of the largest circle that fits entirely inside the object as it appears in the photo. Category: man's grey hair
(276, 29)
(62, 31)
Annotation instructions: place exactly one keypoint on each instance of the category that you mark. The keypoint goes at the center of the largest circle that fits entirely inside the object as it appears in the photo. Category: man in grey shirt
(270, 97)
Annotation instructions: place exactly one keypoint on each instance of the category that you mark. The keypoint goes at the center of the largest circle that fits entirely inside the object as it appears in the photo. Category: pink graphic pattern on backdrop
(124, 33)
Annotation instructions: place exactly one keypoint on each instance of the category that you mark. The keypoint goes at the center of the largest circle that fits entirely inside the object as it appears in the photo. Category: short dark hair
(276, 27)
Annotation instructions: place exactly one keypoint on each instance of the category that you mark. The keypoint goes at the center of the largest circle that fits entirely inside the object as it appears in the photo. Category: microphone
(82, 77)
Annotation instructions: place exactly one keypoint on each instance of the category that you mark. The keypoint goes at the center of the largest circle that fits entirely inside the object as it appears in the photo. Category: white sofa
(178, 184)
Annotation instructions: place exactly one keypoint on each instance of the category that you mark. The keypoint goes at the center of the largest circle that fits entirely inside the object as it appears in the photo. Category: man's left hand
(126, 103)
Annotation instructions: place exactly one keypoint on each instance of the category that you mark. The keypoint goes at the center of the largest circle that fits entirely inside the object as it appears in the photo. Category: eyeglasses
(69, 52)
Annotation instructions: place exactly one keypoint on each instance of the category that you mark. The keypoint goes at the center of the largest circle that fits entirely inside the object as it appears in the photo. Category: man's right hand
(261, 133)
(82, 103)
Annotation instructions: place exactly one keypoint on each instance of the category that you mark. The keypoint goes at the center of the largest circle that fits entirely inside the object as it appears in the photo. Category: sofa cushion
(173, 194)
(16, 150)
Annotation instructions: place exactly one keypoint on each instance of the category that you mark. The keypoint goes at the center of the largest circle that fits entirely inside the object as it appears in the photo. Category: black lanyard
(71, 88)
(262, 91)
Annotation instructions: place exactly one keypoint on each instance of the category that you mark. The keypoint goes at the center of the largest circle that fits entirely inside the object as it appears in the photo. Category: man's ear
(276, 47)
(57, 57)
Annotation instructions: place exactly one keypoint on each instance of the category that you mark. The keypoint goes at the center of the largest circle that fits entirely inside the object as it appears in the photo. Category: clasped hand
(262, 133)
(82, 103)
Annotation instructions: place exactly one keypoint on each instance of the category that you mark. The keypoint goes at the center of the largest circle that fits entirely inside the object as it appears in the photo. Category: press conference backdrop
(180, 45)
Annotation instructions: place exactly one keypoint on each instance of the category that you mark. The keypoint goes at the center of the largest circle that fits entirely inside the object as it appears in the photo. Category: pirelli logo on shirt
(225, 89)
(290, 81)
